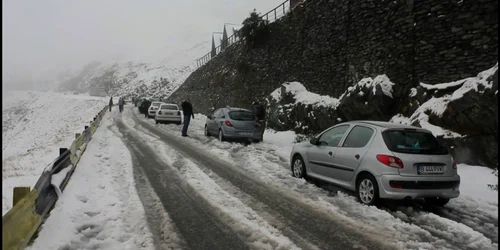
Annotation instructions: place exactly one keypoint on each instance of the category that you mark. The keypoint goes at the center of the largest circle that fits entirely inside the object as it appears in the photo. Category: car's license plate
(246, 133)
(430, 169)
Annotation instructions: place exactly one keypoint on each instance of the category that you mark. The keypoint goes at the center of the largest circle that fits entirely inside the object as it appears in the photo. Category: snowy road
(308, 227)
(172, 192)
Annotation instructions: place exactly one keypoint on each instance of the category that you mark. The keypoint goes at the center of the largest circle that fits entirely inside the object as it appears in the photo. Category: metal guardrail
(20, 223)
(271, 16)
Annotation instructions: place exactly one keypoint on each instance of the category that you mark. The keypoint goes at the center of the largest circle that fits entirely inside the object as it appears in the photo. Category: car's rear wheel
(221, 135)
(298, 167)
(367, 189)
(437, 201)
(206, 131)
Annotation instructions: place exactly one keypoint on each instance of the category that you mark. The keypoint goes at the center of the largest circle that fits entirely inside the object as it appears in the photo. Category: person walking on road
(121, 102)
(187, 110)
(110, 103)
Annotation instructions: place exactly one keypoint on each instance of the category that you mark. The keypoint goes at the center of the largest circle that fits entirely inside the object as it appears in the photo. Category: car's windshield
(169, 107)
(412, 142)
(241, 115)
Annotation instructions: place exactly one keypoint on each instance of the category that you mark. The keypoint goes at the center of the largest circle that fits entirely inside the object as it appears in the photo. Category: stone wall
(329, 45)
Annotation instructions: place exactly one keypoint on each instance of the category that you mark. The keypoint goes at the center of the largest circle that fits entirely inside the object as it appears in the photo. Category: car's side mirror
(314, 141)
(209, 117)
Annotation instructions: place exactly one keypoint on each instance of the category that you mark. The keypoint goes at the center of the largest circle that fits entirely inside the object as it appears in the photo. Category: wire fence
(271, 16)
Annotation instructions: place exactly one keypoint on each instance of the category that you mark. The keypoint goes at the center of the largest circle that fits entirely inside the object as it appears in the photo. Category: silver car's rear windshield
(241, 115)
(413, 142)
(156, 104)
(169, 107)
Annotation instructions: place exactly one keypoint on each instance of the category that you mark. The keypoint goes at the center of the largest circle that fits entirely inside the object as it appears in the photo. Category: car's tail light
(228, 123)
(159, 112)
(454, 164)
(390, 161)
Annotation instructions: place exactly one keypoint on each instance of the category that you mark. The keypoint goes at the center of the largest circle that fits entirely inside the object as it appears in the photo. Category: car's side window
(358, 137)
(221, 114)
(333, 136)
(216, 113)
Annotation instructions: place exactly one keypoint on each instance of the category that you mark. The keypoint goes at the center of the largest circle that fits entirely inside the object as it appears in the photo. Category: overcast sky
(41, 34)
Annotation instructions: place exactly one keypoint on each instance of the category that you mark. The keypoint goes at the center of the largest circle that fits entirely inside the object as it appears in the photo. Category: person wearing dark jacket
(260, 117)
(110, 103)
(144, 107)
(187, 110)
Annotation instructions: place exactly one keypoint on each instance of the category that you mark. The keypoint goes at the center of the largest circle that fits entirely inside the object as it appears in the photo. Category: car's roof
(169, 104)
(383, 124)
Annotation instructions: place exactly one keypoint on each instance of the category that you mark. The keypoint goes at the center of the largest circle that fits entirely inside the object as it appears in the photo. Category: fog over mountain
(51, 37)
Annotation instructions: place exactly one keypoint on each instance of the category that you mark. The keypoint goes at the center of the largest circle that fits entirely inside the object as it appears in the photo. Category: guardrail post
(19, 193)
(77, 135)
(62, 150)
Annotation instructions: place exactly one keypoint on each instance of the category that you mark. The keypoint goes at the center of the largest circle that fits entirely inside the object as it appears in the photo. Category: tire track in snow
(165, 234)
(265, 233)
(317, 226)
(195, 221)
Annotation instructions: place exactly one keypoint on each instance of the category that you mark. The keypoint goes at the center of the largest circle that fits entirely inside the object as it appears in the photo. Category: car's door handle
(330, 153)
(356, 156)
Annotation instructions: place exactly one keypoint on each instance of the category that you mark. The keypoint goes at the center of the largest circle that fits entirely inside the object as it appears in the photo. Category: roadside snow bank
(34, 126)
(100, 207)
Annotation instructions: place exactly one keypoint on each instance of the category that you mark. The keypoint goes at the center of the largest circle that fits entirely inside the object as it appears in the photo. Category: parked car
(233, 124)
(379, 160)
(153, 108)
(168, 112)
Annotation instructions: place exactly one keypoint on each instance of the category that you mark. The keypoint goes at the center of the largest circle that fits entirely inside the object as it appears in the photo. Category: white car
(168, 112)
(153, 108)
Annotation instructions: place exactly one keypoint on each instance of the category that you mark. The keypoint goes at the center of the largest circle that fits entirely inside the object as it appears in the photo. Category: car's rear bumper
(418, 187)
(168, 118)
(234, 134)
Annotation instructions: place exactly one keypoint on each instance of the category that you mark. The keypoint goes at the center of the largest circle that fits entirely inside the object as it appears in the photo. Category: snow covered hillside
(34, 126)
(118, 77)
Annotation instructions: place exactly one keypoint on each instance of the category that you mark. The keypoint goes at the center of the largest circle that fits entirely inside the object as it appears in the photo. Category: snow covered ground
(100, 207)
(34, 126)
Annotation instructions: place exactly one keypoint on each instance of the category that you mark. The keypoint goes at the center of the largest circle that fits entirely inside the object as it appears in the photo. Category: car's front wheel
(367, 189)
(298, 167)
(437, 201)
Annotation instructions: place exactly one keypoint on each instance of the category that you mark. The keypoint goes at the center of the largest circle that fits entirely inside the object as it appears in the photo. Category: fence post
(19, 193)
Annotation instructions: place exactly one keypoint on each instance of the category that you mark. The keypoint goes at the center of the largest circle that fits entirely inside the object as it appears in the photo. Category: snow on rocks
(300, 94)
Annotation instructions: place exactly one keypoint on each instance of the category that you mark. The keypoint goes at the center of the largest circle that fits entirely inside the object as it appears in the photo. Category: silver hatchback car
(233, 124)
(379, 160)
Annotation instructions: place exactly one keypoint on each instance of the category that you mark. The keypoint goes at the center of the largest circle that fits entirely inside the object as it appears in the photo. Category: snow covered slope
(34, 126)
(125, 77)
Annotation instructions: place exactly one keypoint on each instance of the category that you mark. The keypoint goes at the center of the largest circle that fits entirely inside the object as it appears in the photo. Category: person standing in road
(110, 103)
(187, 110)
(260, 117)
